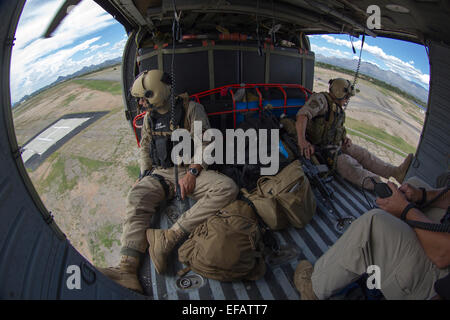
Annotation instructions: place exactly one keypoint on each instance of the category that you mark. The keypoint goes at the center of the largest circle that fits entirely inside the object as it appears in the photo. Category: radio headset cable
(444, 226)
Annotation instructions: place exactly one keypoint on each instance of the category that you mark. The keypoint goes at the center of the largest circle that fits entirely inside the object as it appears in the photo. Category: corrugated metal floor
(308, 243)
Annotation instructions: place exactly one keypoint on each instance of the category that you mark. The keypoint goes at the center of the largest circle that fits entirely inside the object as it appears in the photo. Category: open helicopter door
(36, 258)
(432, 156)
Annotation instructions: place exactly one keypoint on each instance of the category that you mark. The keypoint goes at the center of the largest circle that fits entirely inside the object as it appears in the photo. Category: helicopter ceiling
(410, 20)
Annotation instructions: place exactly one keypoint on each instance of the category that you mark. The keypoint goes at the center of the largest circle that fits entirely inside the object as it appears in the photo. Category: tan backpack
(227, 246)
(284, 199)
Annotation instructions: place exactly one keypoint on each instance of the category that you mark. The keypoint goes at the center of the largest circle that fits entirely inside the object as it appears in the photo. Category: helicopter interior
(220, 47)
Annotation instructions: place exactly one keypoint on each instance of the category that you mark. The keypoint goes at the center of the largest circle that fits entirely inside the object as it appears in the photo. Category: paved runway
(110, 74)
(50, 139)
(51, 136)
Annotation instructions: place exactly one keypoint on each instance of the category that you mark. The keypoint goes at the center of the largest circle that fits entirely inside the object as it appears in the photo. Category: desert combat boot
(400, 171)
(161, 242)
(125, 273)
(302, 280)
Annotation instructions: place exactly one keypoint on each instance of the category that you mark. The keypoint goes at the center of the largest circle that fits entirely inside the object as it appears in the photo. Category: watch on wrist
(194, 172)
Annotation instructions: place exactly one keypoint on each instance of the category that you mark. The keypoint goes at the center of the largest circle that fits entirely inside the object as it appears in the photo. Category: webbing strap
(269, 238)
(163, 183)
(163, 133)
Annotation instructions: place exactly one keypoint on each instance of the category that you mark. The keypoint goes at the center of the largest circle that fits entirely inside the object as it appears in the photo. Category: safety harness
(162, 126)
(327, 131)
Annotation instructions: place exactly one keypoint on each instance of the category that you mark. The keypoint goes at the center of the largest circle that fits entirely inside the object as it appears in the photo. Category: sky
(407, 59)
(89, 36)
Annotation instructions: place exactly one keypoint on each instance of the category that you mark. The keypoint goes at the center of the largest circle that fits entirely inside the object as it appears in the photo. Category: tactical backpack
(284, 199)
(227, 246)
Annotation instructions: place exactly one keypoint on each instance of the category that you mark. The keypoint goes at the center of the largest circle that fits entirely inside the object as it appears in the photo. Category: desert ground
(86, 181)
(378, 107)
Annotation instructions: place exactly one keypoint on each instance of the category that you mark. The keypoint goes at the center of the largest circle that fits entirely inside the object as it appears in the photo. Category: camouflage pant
(378, 238)
(213, 191)
(356, 163)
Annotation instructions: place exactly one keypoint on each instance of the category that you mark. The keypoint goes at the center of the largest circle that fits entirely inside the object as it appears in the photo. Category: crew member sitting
(410, 259)
(211, 189)
(320, 124)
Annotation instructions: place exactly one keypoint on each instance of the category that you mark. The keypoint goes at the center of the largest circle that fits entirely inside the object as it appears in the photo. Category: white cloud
(335, 41)
(96, 47)
(61, 63)
(29, 77)
(425, 78)
(329, 52)
(85, 19)
(372, 62)
(121, 44)
(406, 69)
(37, 62)
(34, 21)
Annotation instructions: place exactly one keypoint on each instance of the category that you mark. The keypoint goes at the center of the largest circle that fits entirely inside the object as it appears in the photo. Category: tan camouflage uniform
(354, 163)
(213, 190)
(379, 238)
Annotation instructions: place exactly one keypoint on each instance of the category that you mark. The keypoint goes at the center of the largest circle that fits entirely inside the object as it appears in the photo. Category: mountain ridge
(366, 68)
(376, 72)
(83, 71)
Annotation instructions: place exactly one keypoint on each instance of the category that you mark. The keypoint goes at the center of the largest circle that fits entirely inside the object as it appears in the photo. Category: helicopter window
(70, 126)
